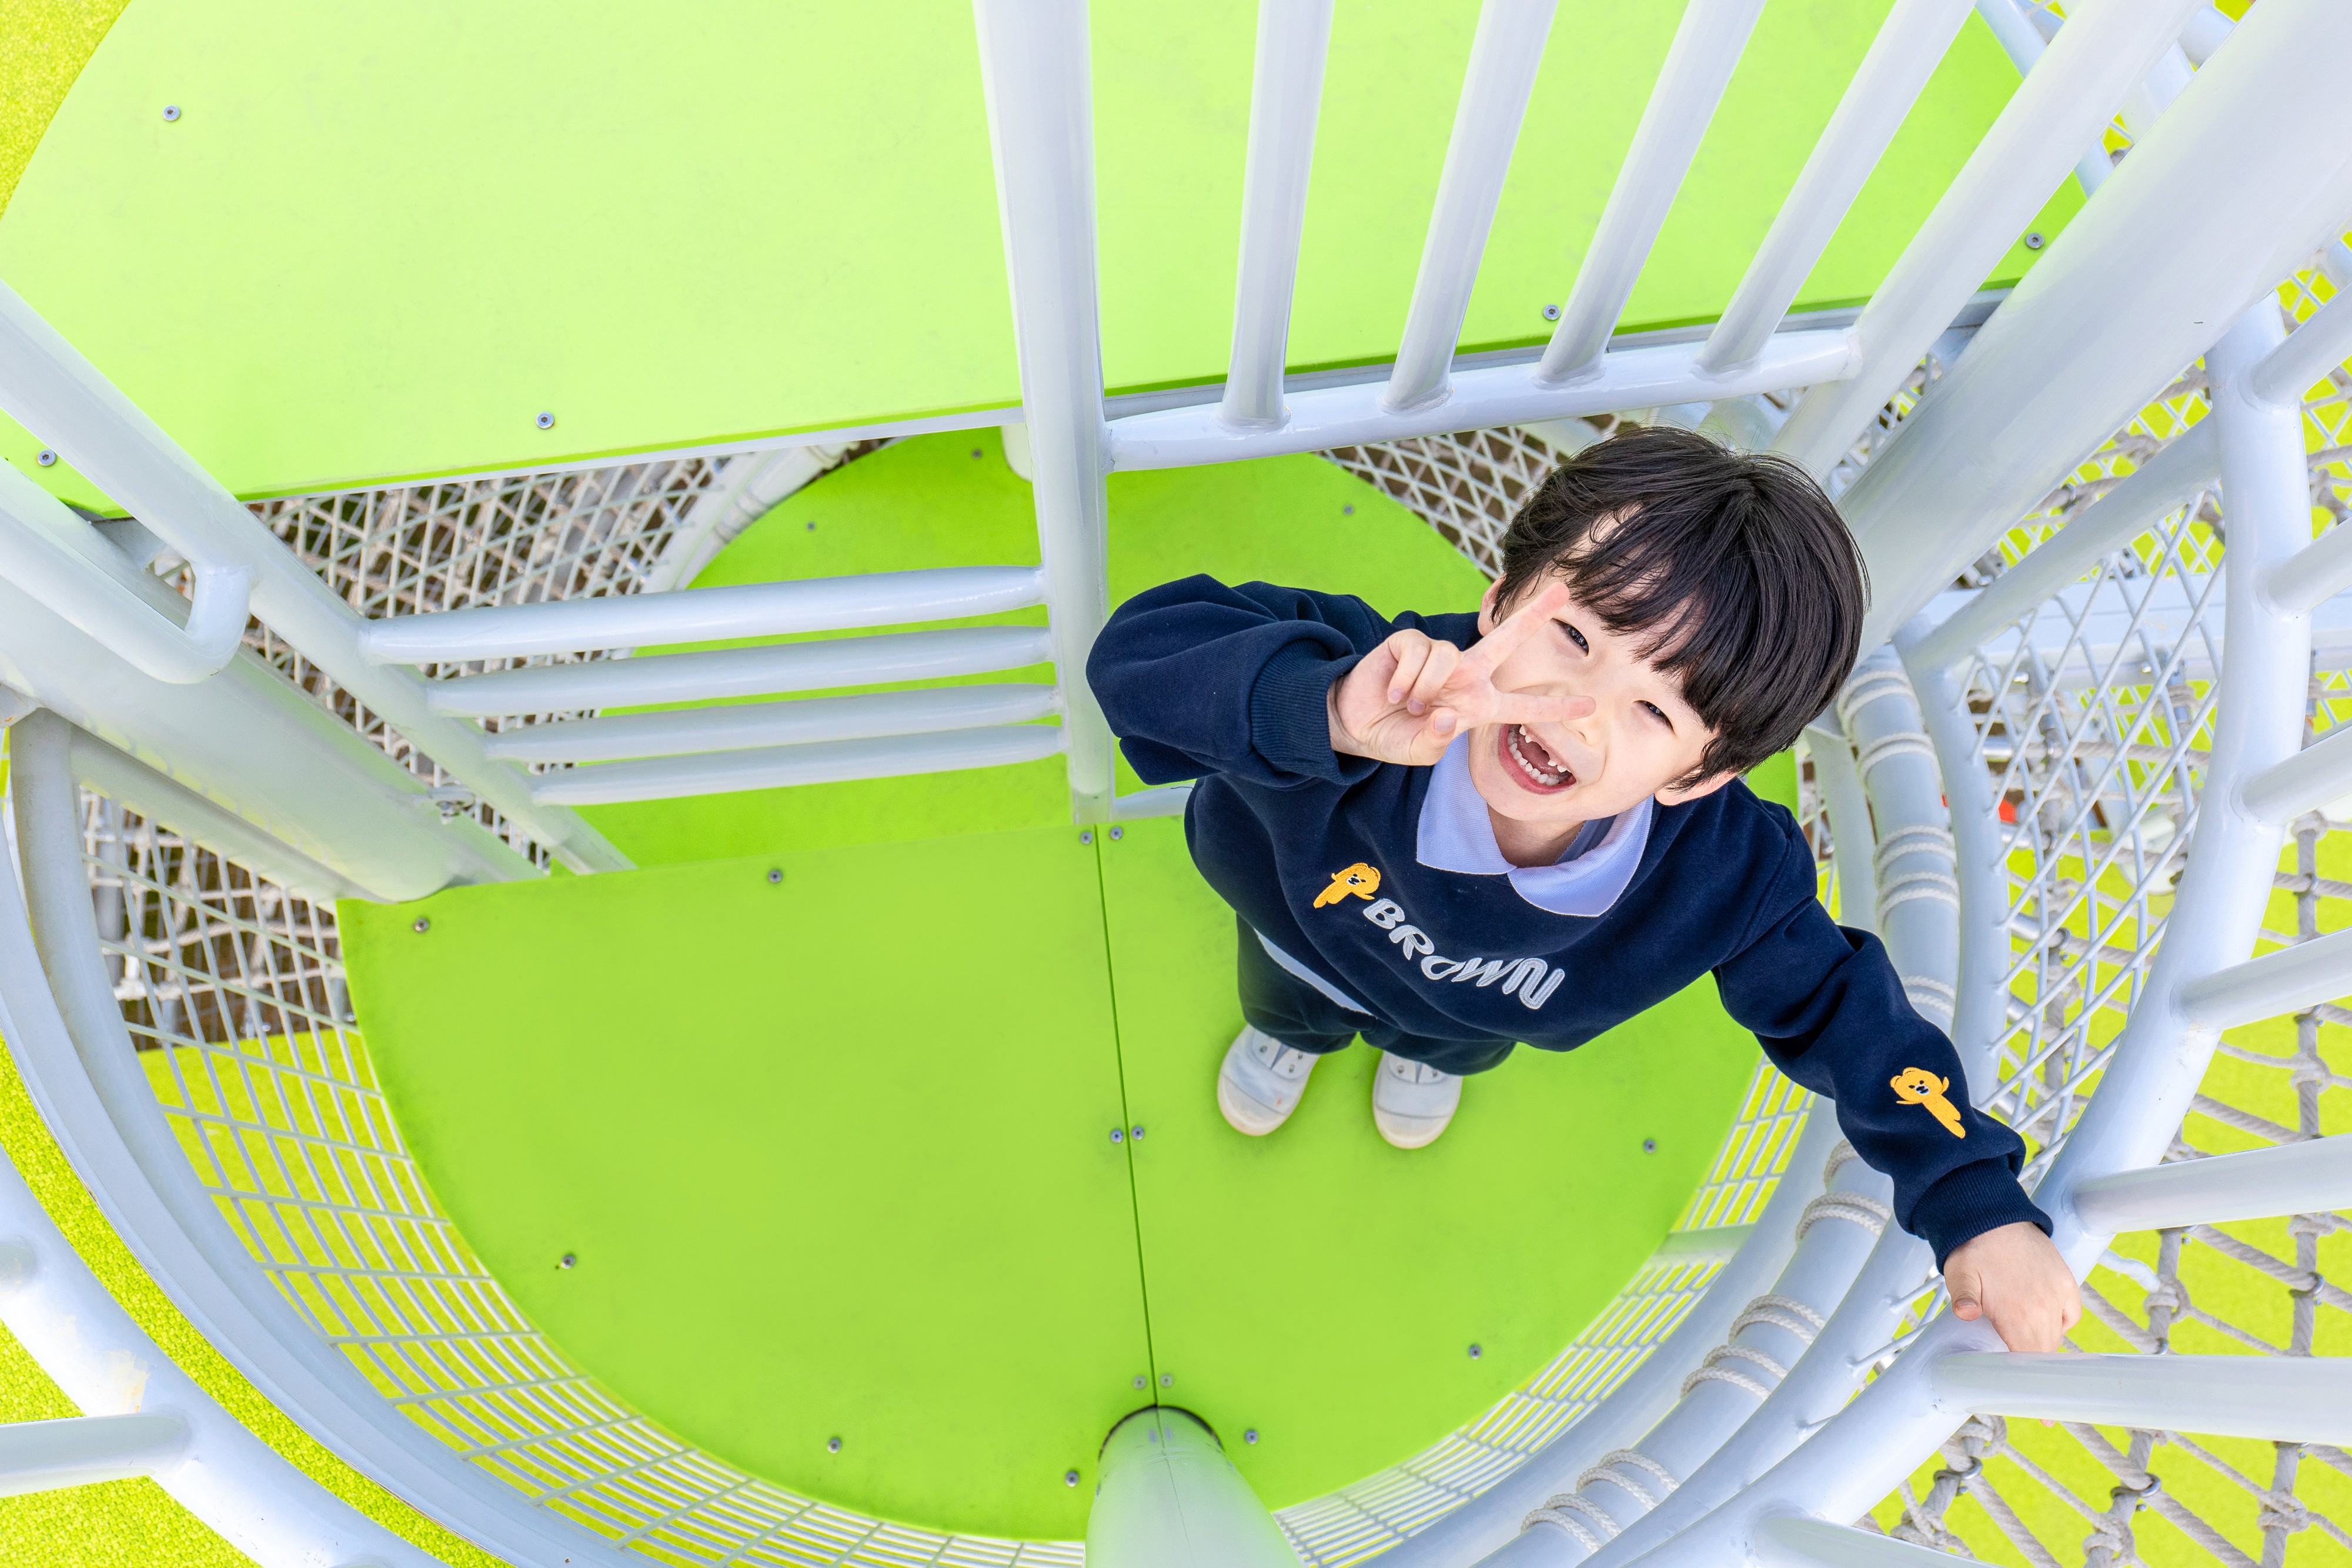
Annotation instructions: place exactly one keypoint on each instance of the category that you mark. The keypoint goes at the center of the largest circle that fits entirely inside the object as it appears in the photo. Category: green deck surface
(381, 239)
(832, 1154)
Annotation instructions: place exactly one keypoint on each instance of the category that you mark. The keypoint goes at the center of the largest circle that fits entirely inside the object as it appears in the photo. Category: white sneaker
(1412, 1101)
(1259, 1086)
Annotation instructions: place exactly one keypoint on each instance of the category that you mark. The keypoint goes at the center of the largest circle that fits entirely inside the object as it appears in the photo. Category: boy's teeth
(1540, 775)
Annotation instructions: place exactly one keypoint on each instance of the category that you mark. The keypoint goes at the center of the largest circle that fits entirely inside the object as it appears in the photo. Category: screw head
(1119, 1135)
(975, 452)
(1118, 833)
(811, 528)
(1140, 1380)
(1349, 510)
(1649, 1145)
(775, 874)
(1070, 1477)
(421, 925)
(1250, 1436)
(1167, 1379)
(2034, 240)
(1551, 312)
(1088, 837)
(170, 111)
(1136, 1131)
(546, 420)
(1478, 1352)
(48, 459)
(833, 1445)
(568, 1260)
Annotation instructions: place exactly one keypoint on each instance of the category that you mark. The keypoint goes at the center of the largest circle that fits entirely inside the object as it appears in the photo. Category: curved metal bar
(49, 551)
(98, 1356)
(91, 1092)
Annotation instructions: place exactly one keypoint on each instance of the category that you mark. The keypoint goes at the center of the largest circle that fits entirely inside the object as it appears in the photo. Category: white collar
(1456, 834)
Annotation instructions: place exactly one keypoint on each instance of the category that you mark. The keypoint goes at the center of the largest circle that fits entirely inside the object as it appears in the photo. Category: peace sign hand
(1408, 699)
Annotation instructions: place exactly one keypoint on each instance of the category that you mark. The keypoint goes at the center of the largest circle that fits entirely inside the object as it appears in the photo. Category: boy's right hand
(1408, 697)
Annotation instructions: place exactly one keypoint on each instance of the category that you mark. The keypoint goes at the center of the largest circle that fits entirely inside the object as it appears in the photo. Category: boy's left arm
(1831, 1012)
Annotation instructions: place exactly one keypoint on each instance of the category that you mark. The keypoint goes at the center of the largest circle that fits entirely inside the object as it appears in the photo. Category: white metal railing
(1764, 1431)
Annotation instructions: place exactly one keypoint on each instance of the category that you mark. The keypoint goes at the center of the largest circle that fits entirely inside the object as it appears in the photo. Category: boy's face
(1640, 736)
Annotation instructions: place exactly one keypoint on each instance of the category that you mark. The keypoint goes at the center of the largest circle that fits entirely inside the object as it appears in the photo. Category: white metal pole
(47, 386)
(1504, 56)
(2051, 375)
(247, 737)
(1698, 67)
(1910, 43)
(2061, 105)
(2289, 1399)
(1035, 75)
(1168, 1498)
(43, 1456)
(2023, 42)
(1294, 39)
(2309, 1178)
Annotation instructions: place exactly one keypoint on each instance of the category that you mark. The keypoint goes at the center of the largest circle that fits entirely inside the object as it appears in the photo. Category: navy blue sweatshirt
(1229, 686)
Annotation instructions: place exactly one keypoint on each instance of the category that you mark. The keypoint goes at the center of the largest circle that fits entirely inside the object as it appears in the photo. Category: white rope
(1901, 743)
(1925, 992)
(1897, 843)
(1912, 885)
(1712, 1369)
(1840, 1155)
(1605, 1471)
(1558, 1511)
(1781, 1312)
(1853, 1207)
(1869, 686)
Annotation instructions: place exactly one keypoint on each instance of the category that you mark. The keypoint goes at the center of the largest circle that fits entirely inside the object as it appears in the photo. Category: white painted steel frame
(1293, 43)
(1864, 1449)
(1038, 82)
(79, 1450)
(93, 1094)
(48, 387)
(702, 614)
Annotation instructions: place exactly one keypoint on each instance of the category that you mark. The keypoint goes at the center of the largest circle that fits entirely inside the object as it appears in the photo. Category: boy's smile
(1541, 783)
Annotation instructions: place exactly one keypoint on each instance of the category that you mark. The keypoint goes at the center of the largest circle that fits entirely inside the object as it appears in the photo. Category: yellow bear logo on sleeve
(1917, 1086)
(1359, 879)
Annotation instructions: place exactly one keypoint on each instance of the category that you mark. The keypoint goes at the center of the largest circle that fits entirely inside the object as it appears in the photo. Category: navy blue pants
(1279, 1003)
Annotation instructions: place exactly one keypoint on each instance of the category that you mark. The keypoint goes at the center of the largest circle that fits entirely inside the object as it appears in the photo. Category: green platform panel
(1325, 1289)
(951, 500)
(379, 241)
(829, 1152)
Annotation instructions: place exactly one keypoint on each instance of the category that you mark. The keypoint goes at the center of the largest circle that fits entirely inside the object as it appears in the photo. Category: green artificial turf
(832, 1153)
(379, 241)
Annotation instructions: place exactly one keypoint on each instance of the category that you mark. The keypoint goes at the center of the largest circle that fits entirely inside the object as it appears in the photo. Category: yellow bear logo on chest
(1359, 879)
(1917, 1086)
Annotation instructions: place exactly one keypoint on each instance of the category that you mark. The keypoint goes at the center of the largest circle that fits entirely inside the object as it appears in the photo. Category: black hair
(1732, 568)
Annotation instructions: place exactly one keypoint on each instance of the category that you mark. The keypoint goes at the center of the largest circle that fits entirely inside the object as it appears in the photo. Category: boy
(1448, 833)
